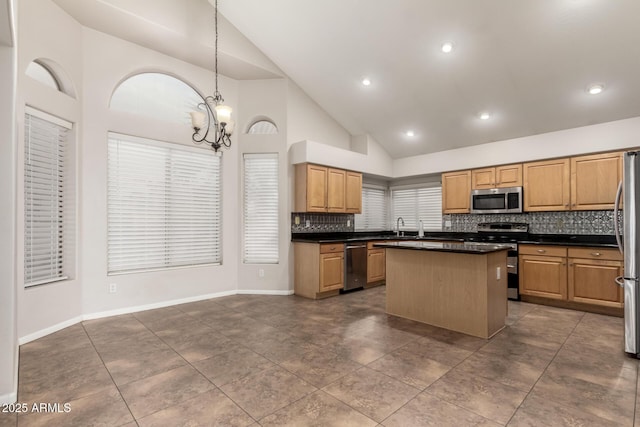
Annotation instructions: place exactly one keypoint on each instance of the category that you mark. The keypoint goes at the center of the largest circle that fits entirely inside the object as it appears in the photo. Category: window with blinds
(48, 200)
(260, 208)
(164, 205)
(418, 204)
(375, 208)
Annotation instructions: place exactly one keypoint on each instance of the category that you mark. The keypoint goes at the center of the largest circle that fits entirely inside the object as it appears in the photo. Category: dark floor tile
(211, 408)
(428, 410)
(124, 325)
(319, 368)
(265, 392)
(8, 419)
(414, 369)
(166, 318)
(105, 408)
(317, 409)
(374, 394)
(536, 412)
(490, 399)
(51, 363)
(158, 392)
(232, 365)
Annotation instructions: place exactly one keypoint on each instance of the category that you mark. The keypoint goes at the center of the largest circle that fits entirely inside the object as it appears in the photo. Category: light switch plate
(497, 273)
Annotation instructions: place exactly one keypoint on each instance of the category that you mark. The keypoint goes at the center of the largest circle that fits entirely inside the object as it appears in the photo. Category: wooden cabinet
(456, 192)
(319, 269)
(323, 189)
(594, 180)
(353, 192)
(376, 264)
(542, 271)
(546, 185)
(580, 275)
(497, 177)
(592, 273)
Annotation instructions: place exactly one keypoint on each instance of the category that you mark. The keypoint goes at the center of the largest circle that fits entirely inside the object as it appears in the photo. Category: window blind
(164, 205)
(47, 235)
(375, 208)
(419, 203)
(261, 208)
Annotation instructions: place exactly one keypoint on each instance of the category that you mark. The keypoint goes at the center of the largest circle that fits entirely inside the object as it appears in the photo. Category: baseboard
(263, 292)
(6, 399)
(51, 329)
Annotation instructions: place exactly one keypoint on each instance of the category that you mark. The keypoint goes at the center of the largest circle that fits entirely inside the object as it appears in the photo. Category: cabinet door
(456, 192)
(508, 176)
(336, 183)
(594, 181)
(543, 276)
(483, 178)
(376, 267)
(316, 188)
(331, 271)
(546, 185)
(353, 198)
(592, 282)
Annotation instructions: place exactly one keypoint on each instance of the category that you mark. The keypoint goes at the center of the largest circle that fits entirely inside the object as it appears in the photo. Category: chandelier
(213, 125)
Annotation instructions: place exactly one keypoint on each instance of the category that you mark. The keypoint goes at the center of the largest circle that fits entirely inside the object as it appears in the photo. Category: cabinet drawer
(542, 250)
(328, 248)
(595, 253)
(370, 244)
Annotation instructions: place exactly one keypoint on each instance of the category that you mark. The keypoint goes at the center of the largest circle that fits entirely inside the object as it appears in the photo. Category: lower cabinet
(580, 275)
(376, 264)
(319, 269)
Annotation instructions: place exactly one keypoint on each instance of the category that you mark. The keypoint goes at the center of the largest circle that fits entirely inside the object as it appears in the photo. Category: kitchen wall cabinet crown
(497, 177)
(456, 192)
(323, 189)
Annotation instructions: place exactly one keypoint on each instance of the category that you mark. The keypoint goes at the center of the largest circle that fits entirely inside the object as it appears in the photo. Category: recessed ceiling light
(447, 47)
(366, 81)
(595, 89)
(410, 133)
(485, 115)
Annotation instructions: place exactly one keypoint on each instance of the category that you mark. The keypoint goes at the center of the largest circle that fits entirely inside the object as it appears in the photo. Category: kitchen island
(456, 286)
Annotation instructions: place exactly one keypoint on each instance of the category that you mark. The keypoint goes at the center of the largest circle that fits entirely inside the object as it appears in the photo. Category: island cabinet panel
(336, 182)
(318, 269)
(594, 181)
(546, 185)
(456, 192)
(353, 190)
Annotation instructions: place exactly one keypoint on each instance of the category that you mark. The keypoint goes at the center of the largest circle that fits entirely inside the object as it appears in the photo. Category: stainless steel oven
(497, 200)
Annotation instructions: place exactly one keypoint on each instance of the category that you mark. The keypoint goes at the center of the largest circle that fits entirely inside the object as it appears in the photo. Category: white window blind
(48, 203)
(375, 208)
(261, 208)
(415, 204)
(164, 205)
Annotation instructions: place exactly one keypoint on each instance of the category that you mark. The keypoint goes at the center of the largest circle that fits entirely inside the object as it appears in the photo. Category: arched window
(39, 72)
(156, 95)
(263, 127)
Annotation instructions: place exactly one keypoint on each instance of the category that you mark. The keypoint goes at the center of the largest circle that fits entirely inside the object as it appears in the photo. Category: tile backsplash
(321, 223)
(572, 222)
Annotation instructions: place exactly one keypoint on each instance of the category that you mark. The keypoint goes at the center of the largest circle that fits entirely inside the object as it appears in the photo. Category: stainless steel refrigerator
(629, 188)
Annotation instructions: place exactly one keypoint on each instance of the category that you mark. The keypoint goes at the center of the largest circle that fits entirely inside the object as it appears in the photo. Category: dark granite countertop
(463, 248)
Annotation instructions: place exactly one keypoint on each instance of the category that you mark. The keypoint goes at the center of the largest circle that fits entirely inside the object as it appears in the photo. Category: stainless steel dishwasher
(355, 269)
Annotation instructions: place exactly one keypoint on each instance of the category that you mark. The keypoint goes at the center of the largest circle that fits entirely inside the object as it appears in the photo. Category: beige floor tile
(208, 409)
(428, 410)
(265, 392)
(232, 366)
(442, 352)
(374, 394)
(158, 392)
(136, 365)
(412, 368)
(8, 419)
(197, 346)
(536, 412)
(490, 399)
(317, 409)
(319, 368)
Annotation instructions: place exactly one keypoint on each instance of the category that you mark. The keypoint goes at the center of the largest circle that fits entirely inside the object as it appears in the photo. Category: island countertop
(463, 248)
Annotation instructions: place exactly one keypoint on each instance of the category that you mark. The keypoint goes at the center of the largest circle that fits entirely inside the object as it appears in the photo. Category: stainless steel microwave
(497, 200)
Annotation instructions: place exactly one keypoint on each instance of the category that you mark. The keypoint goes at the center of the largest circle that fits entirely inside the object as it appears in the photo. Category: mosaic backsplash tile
(321, 223)
(572, 222)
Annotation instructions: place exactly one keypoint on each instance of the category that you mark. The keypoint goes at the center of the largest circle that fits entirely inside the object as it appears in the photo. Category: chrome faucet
(400, 219)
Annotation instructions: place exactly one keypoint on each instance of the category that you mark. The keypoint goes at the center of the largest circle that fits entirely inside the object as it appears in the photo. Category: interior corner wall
(306, 120)
(8, 320)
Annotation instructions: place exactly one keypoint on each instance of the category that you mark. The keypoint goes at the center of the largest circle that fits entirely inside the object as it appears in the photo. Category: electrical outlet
(348, 223)
(447, 223)
(497, 273)
(307, 224)
(296, 220)
(113, 288)
(261, 272)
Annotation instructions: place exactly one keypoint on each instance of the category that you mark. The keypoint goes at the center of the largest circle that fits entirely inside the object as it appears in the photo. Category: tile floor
(277, 361)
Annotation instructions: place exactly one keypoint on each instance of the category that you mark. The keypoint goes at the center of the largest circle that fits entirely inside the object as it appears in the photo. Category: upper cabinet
(594, 180)
(323, 189)
(497, 177)
(546, 185)
(456, 192)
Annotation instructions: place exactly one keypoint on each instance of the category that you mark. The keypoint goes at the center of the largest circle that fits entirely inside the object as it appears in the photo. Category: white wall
(307, 120)
(8, 321)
